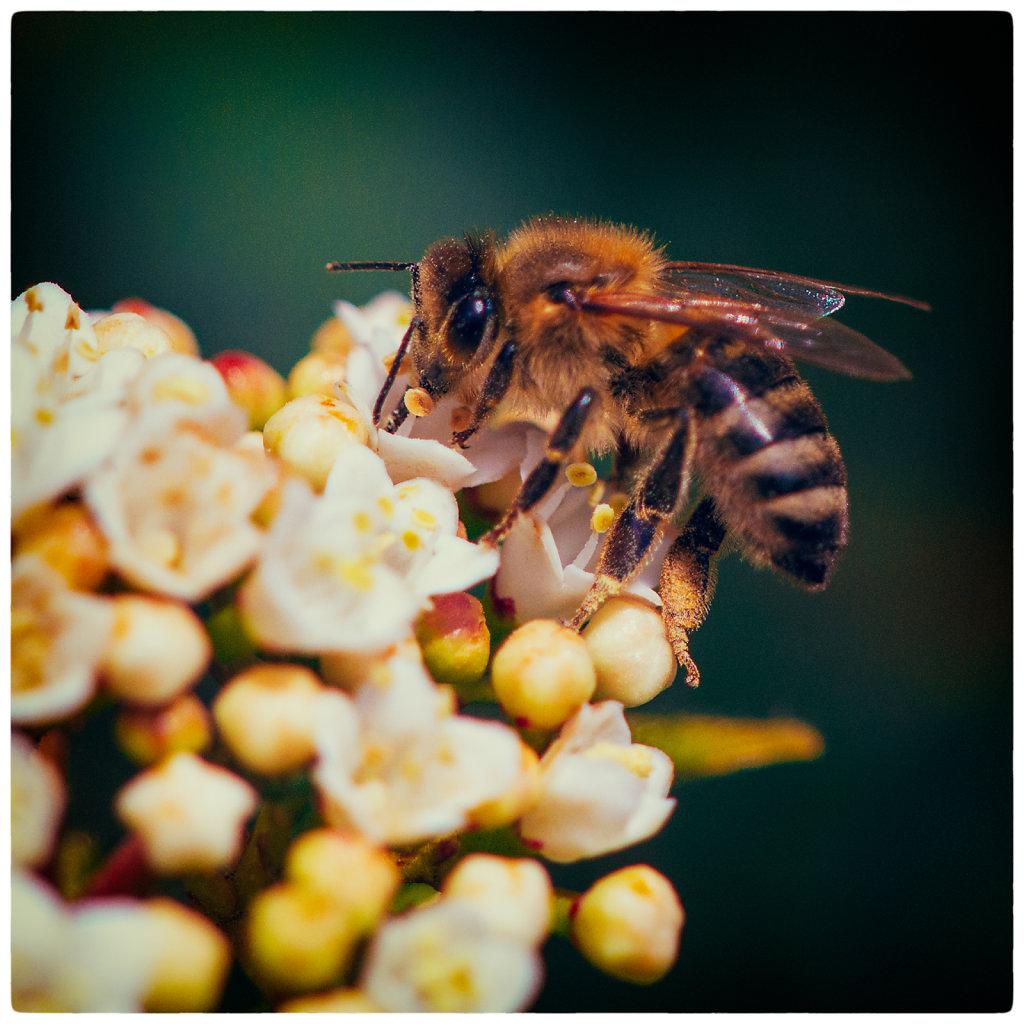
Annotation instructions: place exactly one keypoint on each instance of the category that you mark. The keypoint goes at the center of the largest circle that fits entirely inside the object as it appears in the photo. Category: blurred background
(212, 164)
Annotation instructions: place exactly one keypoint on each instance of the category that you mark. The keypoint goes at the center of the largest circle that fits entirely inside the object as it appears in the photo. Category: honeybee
(683, 370)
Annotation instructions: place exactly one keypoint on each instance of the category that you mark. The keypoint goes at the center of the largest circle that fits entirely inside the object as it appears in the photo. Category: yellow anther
(418, 402)
(73, 321)
(602, 518)
(635, 758)
(580, 474)
(421, 517)
(411, 539)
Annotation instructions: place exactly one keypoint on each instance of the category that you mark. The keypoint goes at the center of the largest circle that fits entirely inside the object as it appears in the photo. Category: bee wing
(795, 324)
(753, 285)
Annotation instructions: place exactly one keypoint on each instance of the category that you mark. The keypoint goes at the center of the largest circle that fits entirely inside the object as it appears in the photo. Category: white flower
(188, 814)
(514, 896)
(398, 766)
(37, 803)
(351, 569)
(58, 638)
(444, 959)
(550, 555)
(98, 957)
(176, 508)
(420, 447)
(598, 791)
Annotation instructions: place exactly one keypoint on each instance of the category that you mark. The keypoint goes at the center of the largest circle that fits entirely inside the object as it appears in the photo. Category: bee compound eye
(469, 321)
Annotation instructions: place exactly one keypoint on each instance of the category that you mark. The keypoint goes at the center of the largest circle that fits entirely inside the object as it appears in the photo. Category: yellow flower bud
(157, 650)
(628, 924)
(542, 674)
(308, 433)
(632, 657)
(346, 866)
(332, 336)
(266, 716)
(317, 373)
(297, 938)
(192, 961)
(66, 538)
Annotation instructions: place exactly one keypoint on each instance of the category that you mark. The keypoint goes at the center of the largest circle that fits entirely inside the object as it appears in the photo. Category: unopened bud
(147, 736)
(192, 960)
(296, 939)
(454, 637)
(182, 338)
(628, 924)
(542, 674)
(308, 433)
(158, 648)
(266, 715)
(360, 876)
(632, 657)
(67, 538)
(332, 336)
(316, 373)
(253, 384)
(513, 896)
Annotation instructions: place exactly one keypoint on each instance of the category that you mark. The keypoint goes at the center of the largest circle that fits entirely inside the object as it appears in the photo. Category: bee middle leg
(543, 476)
(656, 498)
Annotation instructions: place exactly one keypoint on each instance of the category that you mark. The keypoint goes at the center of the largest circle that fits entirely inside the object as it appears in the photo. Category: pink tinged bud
(267, 716)
(253, 384)
(182, 338)
(542, 674)
(149, 735)
(454, 637)
(628, 924)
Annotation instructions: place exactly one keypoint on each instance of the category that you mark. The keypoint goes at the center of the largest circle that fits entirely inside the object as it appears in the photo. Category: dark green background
(213, 163)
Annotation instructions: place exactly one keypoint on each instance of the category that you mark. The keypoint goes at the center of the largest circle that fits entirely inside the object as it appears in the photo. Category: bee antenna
(344, 267)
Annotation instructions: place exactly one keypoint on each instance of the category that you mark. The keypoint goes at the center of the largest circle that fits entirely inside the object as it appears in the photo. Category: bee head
(458, 309)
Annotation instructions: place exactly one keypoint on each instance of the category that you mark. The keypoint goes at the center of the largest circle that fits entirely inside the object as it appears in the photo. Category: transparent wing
(791, 316)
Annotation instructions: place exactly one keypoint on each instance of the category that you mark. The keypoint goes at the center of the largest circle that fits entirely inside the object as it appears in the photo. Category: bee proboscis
(683, 370)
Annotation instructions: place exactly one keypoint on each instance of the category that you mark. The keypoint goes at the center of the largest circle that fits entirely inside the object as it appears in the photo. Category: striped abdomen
(769, 462)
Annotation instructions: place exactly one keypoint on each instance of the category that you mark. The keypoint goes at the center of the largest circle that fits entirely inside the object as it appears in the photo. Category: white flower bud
(632, 657)
(157, 650)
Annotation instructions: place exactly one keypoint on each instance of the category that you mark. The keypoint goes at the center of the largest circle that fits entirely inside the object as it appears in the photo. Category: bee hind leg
(631, 539)
(688, 581)
(543, 476)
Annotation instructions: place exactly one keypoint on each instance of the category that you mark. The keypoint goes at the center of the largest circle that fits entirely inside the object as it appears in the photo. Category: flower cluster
(263, 599)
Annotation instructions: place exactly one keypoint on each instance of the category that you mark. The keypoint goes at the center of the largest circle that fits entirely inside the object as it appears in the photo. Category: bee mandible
(682, 370)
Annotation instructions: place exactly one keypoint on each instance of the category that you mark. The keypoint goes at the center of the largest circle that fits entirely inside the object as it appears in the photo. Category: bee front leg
(543, 476)
(634, 533)
(688, 582)
(496, 385)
